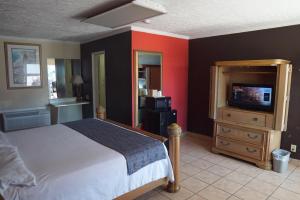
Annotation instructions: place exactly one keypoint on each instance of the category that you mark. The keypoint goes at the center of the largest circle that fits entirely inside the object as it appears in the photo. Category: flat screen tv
(252, 96)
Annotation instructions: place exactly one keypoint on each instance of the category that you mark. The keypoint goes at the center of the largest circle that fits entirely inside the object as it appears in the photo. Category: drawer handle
(252, 136)
(251, 150)
(225, 143)
(224, 130)
(228, 115)
(255, 119)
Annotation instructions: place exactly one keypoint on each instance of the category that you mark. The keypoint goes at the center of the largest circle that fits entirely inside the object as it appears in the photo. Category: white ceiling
(61, 19)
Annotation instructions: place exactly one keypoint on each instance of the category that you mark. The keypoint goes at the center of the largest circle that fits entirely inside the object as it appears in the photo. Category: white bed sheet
(70, 166)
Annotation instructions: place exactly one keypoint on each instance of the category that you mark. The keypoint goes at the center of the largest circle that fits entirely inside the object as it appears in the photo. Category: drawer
(247, 135)
(239, 148)
(244, 117)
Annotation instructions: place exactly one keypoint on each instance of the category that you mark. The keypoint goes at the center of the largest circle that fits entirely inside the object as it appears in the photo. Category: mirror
(149, 72)
(149, 80)
(64, 78)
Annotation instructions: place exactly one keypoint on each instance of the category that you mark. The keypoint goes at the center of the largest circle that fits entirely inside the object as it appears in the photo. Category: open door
(148, 77)
(99, 85)
(283, 97)
(213, 92)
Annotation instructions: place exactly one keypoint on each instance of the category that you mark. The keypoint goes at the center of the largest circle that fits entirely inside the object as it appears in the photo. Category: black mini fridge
(157, 122)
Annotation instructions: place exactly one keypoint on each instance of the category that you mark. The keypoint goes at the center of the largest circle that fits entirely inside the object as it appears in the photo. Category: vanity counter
(66, 110)
(73, 103)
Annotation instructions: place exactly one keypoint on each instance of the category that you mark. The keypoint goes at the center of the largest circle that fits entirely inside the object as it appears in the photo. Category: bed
(70, 166)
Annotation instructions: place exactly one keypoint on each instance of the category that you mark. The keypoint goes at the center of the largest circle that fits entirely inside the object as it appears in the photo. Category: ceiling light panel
(137, 10)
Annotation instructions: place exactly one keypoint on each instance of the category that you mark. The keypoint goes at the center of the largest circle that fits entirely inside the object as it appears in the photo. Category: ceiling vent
(134, 11)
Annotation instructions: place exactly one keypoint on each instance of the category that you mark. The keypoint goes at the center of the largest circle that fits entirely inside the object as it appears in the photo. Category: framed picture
(23, 65)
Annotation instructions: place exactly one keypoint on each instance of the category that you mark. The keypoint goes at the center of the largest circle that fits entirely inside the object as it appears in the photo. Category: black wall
(118, 75)
(281, 43)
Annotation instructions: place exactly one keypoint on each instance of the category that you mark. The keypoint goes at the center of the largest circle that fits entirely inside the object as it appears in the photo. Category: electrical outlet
(293, 148)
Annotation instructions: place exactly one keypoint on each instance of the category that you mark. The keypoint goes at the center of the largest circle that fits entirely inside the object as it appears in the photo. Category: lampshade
(77, 80)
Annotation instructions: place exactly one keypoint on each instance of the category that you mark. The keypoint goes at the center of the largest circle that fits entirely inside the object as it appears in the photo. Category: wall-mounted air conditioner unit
(25, 119)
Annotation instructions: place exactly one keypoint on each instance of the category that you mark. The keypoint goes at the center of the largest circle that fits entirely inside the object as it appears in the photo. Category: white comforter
(69, 166)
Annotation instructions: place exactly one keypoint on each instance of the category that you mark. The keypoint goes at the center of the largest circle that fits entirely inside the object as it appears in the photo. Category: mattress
(70, 166)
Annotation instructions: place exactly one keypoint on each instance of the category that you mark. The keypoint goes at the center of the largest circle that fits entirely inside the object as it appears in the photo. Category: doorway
(99, 86)
(148, 80)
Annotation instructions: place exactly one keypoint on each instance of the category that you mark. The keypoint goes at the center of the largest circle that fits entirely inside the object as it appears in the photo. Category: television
(252, 96)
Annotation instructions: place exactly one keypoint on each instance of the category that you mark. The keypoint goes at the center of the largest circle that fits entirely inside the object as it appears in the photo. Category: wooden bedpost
(174, 132)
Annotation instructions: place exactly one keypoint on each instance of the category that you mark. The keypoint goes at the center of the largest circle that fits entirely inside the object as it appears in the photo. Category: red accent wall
(175, 68)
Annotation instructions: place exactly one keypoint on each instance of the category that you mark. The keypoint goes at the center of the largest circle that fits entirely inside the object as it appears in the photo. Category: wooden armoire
(243, 133)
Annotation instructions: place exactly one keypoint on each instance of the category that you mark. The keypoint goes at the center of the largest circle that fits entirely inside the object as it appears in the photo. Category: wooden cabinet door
(284, 74)
(154, 78)
(213, 97)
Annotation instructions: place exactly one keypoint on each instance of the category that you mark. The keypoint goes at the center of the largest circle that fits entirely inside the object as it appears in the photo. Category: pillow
(13, 171)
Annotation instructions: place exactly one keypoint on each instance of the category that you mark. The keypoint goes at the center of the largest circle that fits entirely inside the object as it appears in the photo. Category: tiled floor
(207, 176)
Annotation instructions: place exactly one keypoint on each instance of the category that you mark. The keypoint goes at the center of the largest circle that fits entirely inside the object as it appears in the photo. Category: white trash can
(280, 160)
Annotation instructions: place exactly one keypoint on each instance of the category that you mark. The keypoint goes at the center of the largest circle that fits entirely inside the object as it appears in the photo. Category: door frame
(136, 74)
(94, 80)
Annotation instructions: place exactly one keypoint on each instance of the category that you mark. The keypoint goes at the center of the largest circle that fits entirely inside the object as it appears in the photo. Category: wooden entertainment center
(249, 134)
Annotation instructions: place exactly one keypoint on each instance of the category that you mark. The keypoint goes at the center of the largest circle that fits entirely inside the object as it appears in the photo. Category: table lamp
(77, 82)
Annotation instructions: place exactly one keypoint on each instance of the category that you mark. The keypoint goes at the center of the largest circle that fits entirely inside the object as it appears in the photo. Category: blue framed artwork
(23, 65)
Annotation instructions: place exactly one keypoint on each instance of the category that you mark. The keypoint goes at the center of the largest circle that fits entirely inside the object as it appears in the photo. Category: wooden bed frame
(174, 132)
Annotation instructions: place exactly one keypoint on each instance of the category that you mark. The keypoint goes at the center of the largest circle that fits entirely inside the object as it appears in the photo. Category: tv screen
(252, 96)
